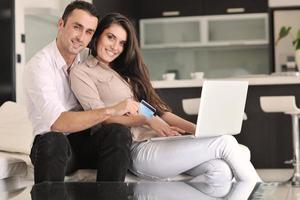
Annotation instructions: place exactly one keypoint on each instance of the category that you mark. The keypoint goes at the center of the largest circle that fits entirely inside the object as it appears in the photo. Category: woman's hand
(174, 120)
(162, 128)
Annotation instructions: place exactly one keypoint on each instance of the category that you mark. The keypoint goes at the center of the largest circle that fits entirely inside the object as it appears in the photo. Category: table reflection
(142, 191)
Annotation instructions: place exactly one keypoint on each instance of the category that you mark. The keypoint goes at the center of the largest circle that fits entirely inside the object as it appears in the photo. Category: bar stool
(287, 105)
(191, 106)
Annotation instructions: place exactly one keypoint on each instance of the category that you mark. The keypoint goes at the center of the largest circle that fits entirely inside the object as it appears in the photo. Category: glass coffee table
(141, 191)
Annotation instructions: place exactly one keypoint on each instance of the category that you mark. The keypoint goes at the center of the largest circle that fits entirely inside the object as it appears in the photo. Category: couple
(110, 135)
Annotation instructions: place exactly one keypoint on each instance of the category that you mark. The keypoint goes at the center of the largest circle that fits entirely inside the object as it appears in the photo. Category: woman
(115, 71)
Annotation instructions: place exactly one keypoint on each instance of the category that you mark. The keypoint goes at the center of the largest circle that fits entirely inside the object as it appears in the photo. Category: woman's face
(111, 43)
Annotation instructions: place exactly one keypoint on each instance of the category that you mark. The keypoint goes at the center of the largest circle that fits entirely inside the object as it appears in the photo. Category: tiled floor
(271, 175)
(273, 188)
(279, 190)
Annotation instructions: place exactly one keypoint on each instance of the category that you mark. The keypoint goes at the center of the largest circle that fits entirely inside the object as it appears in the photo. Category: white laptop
(221, 109)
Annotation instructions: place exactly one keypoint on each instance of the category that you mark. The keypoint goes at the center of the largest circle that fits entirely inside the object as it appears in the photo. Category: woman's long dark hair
(129, 64)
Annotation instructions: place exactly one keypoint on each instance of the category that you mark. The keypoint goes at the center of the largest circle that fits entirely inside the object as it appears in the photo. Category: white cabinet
(244, 29)
(204, 31)
(220, 45)
(170, 32)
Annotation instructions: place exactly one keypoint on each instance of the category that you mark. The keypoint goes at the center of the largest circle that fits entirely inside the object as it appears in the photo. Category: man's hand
(127, 106)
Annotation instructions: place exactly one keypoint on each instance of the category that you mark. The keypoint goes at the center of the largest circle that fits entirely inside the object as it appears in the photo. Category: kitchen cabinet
(129, 8)
(216, 7)
(267, 135)
(243, 29)
(169, 8)
(219, 45)
(7, 77)
(170, 32)
(205, 31)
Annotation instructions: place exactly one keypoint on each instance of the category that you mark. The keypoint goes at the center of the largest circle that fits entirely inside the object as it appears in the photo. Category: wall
(41, 3)
(40, 30)
(283, 3)
(285, 47)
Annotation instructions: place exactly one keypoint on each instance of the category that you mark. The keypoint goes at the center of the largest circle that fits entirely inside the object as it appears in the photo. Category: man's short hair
(81, 5)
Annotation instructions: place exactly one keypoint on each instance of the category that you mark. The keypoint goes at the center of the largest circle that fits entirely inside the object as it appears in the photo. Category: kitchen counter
(252, 79)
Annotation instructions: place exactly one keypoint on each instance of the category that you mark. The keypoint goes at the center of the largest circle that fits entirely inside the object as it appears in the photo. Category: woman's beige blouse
(97, 85)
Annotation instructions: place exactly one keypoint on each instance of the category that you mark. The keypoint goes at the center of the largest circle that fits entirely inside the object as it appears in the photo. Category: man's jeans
(107, 149)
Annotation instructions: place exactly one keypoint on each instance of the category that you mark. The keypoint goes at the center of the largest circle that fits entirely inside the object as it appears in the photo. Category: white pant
(212, 159)
(192, 191)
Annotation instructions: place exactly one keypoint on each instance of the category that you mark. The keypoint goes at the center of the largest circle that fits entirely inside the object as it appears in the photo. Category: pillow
(13, 164)
(16, 132)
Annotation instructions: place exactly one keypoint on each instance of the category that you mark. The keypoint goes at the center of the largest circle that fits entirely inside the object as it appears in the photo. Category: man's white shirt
(46, 88)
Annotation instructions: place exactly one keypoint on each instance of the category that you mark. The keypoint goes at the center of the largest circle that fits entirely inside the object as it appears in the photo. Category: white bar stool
(191, 106)
(287, 105)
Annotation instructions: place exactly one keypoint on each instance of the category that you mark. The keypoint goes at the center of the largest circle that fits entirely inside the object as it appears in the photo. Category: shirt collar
(94, 62)
(59, 59)
(91, 61)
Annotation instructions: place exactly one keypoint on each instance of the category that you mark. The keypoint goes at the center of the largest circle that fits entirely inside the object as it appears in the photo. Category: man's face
(76, 32)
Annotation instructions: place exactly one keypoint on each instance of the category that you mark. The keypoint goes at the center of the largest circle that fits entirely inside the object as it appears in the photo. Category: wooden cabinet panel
(215, 7)
(7, 77)
(125, 7)
(167, 8)
(139, 9)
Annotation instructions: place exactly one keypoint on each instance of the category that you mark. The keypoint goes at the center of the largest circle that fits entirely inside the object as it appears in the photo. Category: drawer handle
(170, 13)
(235, 10)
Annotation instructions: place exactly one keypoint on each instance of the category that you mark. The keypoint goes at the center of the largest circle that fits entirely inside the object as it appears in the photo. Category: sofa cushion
(13, 164)
(16, 131)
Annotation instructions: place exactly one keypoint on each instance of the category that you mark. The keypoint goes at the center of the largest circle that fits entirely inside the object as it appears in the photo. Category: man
(66, 140)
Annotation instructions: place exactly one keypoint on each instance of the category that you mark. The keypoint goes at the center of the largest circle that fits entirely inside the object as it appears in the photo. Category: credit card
(146, 109)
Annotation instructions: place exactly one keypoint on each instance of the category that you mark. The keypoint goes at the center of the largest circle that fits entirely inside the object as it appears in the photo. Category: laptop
(221, 109)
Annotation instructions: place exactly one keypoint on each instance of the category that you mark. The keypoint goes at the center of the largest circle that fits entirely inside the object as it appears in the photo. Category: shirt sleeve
(39, 85)
(85, 89)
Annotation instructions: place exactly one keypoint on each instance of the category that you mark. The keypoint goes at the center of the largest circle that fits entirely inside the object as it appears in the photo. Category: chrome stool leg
(287, 105)
(296, 148)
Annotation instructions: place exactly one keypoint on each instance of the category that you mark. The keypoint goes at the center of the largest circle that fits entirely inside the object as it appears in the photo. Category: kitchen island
(268, 135)
(252, 79)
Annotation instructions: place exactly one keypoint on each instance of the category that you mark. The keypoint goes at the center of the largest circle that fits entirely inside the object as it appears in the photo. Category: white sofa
(15, 144)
